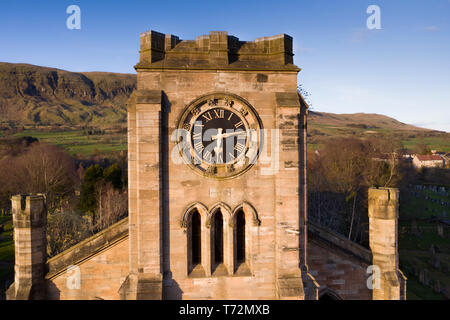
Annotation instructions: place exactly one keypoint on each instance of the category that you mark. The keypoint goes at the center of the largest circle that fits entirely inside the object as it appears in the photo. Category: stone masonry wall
(101, 276)
(335, 270)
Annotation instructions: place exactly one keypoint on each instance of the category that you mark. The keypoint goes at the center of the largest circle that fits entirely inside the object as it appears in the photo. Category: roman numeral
(207, 116)
(231, 115)
(237, 125)
(197, 136)
(231, 156)
(207, 155)
(239, 147)
(199, 146)
(219, 113)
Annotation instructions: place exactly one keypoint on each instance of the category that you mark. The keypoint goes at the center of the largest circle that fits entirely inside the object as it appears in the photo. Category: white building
(429, 161)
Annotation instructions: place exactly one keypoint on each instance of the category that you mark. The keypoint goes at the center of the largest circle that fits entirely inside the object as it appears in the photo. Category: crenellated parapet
(216, 50)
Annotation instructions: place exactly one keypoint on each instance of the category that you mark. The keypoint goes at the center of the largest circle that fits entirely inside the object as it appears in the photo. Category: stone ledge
(87, 248)
(319, 233)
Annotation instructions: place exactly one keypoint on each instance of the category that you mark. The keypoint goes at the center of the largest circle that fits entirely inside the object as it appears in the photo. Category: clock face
(219, 136)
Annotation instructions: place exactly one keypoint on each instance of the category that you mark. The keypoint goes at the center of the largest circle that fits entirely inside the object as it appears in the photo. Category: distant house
(428, 161)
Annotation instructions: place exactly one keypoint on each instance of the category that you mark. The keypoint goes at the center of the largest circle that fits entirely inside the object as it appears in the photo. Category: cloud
(431, 28)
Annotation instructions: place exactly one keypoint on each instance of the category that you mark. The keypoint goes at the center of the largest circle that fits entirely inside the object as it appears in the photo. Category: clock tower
(217, 171)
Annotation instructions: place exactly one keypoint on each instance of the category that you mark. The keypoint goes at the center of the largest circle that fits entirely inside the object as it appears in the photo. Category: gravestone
(437, 286)
(423, 276)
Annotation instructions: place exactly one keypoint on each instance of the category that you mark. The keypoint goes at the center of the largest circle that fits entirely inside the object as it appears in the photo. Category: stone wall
(338, 265)
(102, 264)
(101, 276)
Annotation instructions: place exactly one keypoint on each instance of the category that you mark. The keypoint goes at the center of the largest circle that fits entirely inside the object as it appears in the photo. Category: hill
(361, 121)
(46, 99)
(40, 96)
(322, 125)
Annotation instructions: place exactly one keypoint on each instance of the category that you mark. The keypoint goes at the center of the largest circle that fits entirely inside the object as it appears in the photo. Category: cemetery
(424, 240)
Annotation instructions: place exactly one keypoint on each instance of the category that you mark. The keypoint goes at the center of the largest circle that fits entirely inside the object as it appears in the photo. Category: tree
(42, 168)
(113, 174)
(339, 175)
(65, 230)
(88, 199)
(112, 204)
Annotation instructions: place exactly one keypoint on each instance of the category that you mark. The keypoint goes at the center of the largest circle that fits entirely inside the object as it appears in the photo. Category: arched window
(196, 239)
(240, 237)
(327, 294)
(218, 238)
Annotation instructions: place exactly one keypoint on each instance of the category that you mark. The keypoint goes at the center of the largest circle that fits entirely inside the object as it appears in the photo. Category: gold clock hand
(226, 135)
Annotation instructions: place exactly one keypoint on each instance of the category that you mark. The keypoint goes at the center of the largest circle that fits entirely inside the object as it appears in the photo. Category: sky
(401, 70)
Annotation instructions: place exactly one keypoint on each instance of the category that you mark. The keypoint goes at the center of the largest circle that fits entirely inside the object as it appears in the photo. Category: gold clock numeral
(207, 155)
(207, 116)
(231, 156)
(199, 146)
(197, 136)
(231, 115)
(239, 147)
(198, 124)
(195, 111)
(237, 125)
(219, 113)
(243, 111)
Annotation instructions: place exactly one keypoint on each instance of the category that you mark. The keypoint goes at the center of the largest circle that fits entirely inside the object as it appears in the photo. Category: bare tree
(41, 169)
(339, 175)
(112, 205)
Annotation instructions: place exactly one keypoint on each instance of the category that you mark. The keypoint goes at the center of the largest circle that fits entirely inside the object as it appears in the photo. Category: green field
(435, 143)
(77, 142)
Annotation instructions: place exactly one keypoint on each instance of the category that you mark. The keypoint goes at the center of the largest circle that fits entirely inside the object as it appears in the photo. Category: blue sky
(401, 70)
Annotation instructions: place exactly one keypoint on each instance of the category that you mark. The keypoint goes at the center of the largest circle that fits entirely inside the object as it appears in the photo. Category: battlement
(28, 210)
(218, 50)
(30, 223)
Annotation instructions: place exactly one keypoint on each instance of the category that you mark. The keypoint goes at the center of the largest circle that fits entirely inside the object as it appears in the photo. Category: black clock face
(219, 136)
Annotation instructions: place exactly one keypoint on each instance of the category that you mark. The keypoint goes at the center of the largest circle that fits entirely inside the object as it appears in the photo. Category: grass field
(77, 142)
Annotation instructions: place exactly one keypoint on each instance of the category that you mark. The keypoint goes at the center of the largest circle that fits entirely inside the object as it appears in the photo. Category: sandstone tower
(383, 237)
(217, 229)
(30, 222)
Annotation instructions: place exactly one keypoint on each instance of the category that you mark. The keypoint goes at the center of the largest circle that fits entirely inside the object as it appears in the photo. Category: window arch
(196, 239)
(218, 243)
(240, 238)
(328, 294)
(192, 222)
